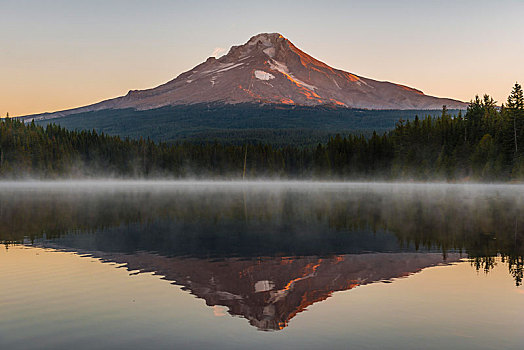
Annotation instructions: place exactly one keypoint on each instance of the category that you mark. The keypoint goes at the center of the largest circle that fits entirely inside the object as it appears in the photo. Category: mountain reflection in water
(267, 252)
(268, 292)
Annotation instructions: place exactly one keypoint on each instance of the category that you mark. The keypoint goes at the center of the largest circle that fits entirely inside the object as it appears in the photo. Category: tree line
(484, 144)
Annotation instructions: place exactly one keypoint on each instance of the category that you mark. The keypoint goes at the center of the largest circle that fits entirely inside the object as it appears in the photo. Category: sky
(60, 54)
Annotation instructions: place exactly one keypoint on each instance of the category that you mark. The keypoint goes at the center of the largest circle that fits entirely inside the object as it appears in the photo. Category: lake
(284, 265)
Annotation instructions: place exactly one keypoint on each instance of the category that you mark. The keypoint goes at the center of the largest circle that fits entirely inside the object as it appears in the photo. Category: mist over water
(255, 218)
(265, 251)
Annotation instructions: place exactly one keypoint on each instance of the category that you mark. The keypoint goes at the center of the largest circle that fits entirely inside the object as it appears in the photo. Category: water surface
(257, 264)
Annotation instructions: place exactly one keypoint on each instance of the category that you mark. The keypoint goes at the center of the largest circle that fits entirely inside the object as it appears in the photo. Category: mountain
(269, 69)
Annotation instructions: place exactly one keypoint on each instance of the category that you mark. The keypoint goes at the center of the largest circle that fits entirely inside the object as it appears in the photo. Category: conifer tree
(515, 107)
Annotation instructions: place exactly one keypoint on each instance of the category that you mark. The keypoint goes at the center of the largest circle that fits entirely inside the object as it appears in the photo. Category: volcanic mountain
(270, 69)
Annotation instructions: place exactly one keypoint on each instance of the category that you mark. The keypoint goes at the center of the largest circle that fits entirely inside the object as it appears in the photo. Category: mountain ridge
(269, 68)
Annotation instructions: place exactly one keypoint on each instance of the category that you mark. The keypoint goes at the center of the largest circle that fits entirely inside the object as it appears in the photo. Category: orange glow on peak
(307, 60)
(338, 103)
(250, 93)
(407, 88)
(287, 101)
(352, 77)
(338, 259)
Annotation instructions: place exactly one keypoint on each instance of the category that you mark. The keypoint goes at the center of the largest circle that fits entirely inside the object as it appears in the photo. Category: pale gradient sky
(59, 54)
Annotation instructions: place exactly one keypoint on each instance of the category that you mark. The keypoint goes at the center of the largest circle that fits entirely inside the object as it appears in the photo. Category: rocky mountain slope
(270, 69)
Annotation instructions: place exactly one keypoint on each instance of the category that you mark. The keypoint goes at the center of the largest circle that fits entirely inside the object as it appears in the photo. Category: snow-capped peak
(269, 68)
(267, 39)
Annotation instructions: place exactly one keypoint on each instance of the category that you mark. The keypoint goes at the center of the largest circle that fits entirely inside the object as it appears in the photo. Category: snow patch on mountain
(264, 286)
(264, 39)
(270, 51)
(260, 74)
(282, 68)
(230, 67)
(223, 67)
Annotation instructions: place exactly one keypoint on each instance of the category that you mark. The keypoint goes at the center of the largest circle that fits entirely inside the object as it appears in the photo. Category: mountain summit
(270, 69)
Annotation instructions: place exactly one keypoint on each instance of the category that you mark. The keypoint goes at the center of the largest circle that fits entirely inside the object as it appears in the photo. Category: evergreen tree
(515, 108)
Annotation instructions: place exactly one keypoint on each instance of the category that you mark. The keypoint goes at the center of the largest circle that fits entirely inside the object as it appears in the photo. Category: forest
(486, 143)
(238, 124)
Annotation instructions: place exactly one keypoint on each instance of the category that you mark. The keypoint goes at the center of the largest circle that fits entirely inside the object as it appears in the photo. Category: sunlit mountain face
(269, 69)
(268, 252)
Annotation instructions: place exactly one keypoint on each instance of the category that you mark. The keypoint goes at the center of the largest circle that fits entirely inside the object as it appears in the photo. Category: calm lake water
(164, 265)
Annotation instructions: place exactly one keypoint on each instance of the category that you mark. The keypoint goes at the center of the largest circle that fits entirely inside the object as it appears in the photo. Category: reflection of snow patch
(269, 310)
(282, 293)
(189, 81)
(259, 74)
(227, 296)
(282, 68)
(213, 81)
(264, 286)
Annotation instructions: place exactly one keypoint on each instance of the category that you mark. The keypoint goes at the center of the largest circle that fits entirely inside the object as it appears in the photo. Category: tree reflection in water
(269, 251)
